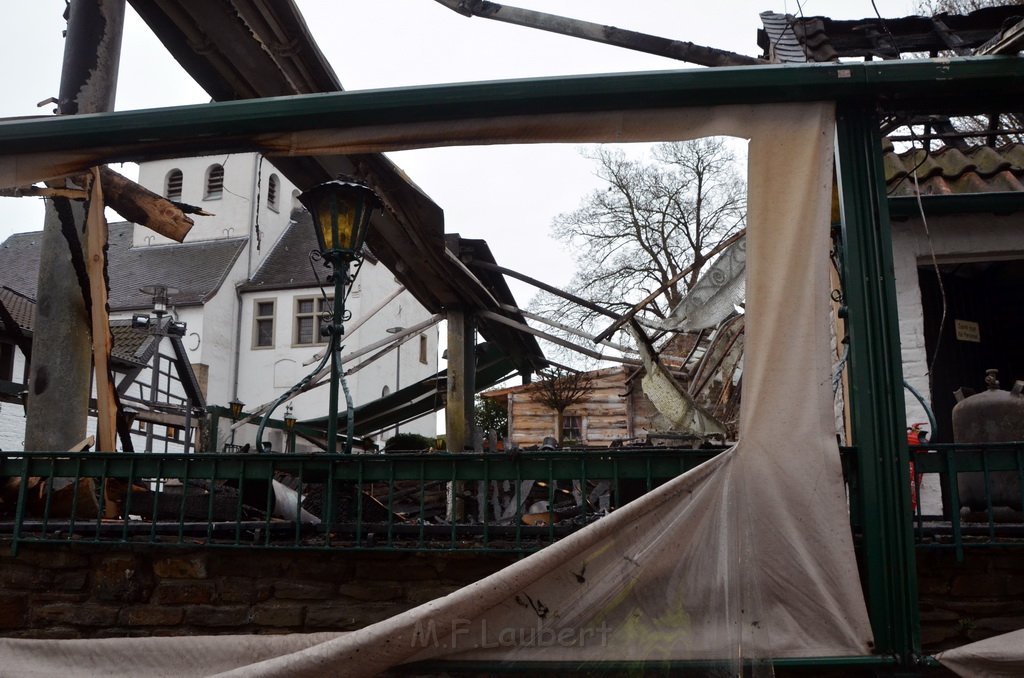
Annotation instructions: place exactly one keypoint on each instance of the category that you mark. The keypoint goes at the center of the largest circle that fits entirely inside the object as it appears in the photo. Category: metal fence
(982, 494)
(415, 502)
(434, 501)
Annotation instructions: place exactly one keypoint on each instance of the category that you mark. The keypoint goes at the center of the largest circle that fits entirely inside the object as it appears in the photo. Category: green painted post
(213, 415)
(876, 392)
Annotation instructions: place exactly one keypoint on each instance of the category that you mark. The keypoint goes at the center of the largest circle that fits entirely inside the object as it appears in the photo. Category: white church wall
(234, 211)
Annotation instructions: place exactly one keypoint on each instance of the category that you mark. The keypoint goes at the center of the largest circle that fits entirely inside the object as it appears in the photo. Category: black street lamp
(236, 406)
(341, 212)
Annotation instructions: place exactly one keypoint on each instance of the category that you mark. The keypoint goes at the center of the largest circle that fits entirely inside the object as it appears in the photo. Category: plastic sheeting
(746, 557)
(997, 657)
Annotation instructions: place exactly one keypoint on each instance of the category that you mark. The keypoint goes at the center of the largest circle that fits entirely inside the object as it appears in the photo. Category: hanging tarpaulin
(745, 558)
(998, 657)
(720, 289)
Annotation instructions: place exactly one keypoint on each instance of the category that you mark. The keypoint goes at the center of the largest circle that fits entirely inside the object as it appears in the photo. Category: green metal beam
(963, 84)
(876, 391)
(905, 207)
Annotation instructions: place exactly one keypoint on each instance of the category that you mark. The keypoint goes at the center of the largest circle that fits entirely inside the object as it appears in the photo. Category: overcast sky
(506, 195)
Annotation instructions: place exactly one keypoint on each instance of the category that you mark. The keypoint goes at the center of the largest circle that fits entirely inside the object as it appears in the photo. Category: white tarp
(747, 556)
(998, 657)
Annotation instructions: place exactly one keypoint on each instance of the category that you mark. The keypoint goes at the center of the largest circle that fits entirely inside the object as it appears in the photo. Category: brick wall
(86, 592)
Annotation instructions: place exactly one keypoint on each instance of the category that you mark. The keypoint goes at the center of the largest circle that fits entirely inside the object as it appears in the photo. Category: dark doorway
(987, 298)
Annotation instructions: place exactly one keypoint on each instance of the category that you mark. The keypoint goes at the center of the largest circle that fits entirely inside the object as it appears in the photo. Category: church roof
(196, 269)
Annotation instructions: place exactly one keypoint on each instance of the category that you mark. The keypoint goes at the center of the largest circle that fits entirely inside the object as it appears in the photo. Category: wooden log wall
(615, 410)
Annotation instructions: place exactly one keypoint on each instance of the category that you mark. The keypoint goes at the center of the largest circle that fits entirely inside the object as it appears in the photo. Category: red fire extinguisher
(916, 435)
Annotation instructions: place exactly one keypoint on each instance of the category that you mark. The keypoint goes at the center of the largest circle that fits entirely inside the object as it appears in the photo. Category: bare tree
(932, 7)
(560, 390)
(654, 218)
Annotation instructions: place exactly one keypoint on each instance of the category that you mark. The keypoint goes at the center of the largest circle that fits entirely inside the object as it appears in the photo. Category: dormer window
(214, 182)
(273, 192)
(172, 188)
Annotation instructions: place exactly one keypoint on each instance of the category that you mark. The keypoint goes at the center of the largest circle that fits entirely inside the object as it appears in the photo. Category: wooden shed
(614, 410)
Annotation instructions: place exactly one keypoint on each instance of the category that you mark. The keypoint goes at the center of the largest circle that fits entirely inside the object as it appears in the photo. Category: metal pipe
(339, 267)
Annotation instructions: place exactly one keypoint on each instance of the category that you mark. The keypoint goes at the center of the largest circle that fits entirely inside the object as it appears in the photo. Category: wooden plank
(89, 441)
(96, 240)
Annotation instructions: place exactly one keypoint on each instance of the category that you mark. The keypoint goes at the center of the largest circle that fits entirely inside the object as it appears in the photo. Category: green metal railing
(983, 494)
(415, 502)
(441, 501)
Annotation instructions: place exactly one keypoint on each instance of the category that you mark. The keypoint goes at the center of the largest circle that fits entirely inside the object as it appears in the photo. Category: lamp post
(289, 428)
(236, 406)
(341, 214)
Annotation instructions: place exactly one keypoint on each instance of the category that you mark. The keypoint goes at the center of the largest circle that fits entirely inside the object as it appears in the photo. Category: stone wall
(99, 592)
(91, 592)
(979, 598)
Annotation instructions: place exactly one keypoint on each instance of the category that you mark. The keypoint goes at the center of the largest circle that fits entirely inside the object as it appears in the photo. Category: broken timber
(96, 263)
(609, 35)
(129, 199)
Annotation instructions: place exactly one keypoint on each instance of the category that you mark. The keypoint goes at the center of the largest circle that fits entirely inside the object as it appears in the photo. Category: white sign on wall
(967, 330)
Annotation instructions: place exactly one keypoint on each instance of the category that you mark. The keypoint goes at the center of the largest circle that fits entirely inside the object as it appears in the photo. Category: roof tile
(285, 266)
(979, 169)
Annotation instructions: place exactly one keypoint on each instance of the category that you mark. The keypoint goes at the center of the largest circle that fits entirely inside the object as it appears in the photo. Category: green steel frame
(876, 385)
(862, 91)
(941, 85)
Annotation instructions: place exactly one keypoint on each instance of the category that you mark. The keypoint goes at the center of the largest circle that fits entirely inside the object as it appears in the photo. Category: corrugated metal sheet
(783, 46)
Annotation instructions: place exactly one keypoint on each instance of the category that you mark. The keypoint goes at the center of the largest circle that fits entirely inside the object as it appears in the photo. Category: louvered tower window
(174, 180)
(273, 192)
(214, 182)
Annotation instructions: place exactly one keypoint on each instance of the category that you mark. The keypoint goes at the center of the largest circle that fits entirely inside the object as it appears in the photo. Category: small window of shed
(174, 181)
(214, 182)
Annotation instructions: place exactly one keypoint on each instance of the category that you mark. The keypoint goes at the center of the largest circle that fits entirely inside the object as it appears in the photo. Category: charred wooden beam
(1008, 41)
(141, 206)
(608, 35)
